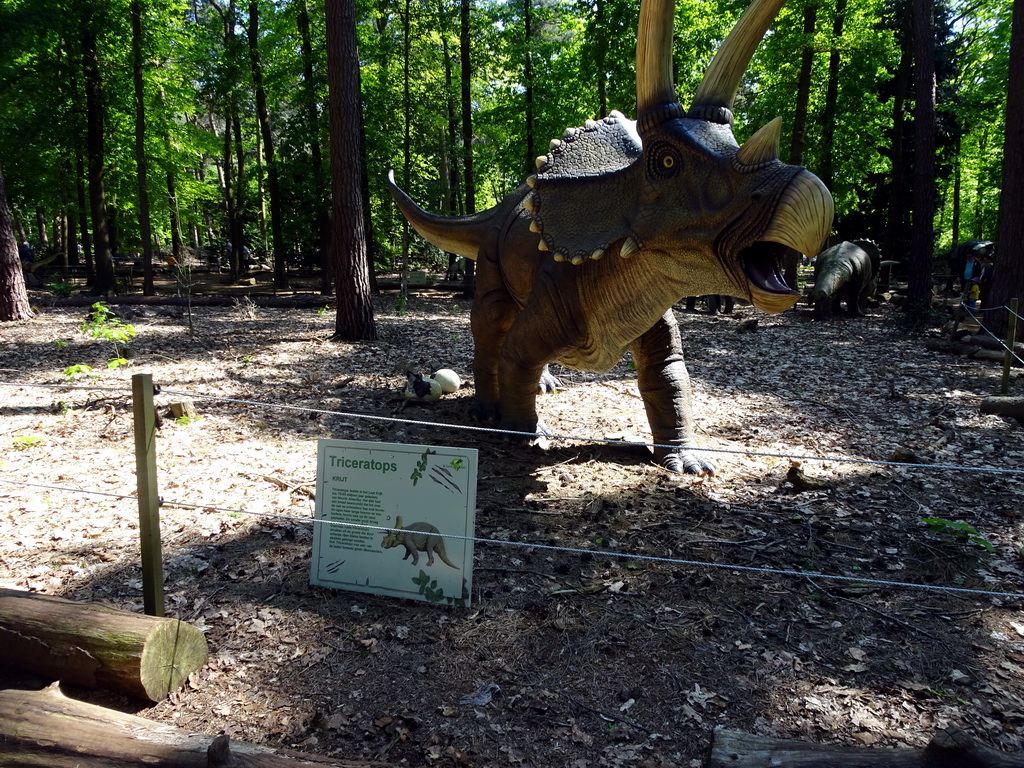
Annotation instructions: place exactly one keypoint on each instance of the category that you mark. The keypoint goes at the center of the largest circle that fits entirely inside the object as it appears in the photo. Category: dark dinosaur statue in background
(957, 256)
(846, 272)
(623, 219)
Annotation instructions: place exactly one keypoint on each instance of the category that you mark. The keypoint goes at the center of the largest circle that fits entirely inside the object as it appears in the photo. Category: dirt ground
(590, 653)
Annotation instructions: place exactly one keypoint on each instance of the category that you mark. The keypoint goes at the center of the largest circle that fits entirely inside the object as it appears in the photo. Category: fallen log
(951, 748)
(987, 342)
(46, 729)
(1003, 406)
(965, 349)
(96, 646)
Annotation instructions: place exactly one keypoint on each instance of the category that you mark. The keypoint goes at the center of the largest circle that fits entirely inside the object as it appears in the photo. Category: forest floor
(699, 602)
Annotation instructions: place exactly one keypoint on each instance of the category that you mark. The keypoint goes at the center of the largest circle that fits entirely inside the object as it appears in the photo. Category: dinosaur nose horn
(763, 147)
(717, 92)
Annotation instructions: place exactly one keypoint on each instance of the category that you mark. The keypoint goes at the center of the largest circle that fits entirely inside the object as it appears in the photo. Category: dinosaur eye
(664, 162)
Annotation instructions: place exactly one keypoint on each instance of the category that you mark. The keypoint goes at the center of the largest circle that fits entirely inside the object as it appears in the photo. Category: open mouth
(768, 290)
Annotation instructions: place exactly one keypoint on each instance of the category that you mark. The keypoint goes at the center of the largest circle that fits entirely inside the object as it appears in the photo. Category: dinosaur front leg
(665, 388)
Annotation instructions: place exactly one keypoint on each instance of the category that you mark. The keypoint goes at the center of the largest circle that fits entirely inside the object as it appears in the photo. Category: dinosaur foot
(688, 461)
(548, 383)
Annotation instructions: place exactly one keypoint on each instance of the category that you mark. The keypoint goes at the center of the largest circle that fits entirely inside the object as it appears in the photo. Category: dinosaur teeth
(543, 246)
(531, 181)
(555, 143)
(535, 228)
(541, 161)
(556, 256)
(597, 253)
(530, 204)
(629, 247)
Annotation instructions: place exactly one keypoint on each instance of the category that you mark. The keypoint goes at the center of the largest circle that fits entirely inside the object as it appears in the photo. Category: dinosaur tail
(455, 234)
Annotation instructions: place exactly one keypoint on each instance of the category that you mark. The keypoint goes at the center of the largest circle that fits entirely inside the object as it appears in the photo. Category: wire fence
(631, 556)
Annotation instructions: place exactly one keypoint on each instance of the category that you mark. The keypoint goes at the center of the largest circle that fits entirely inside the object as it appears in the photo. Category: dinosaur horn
(762, 148)
(717, 91)
(654, 86)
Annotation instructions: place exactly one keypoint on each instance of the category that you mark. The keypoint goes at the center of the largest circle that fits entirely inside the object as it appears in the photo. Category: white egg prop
(448, 379)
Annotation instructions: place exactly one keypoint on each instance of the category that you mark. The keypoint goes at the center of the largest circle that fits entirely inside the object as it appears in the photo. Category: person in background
(25, 251)
(985, 280)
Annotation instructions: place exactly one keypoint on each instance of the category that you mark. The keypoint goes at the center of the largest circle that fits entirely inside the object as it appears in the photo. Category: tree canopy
(235, 98)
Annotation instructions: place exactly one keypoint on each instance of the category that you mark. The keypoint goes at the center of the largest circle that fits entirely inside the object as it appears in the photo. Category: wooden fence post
(1011, 337)
(149, 502)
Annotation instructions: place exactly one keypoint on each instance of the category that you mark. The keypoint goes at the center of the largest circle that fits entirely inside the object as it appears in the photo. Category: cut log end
(172, 652)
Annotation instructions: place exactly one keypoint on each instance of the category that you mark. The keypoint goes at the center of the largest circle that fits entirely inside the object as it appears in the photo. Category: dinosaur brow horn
(717, 92)
(654, 86)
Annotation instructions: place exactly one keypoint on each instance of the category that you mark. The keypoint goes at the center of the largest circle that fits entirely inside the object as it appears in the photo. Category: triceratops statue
(622, 220)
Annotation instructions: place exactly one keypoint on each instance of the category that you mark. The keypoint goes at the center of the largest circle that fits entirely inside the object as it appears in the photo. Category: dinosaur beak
(801, 221)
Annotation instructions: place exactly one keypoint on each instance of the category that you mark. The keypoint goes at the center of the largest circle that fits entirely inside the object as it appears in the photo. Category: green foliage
(79, 369)
(61, 289)
(24, 442)
(958, 531)
(197, 73)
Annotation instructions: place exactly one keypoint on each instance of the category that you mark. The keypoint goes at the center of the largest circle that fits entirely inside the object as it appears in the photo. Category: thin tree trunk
(276, 213)
(354, 319)
(467, 134)
(238, 223)
(13, 296)
(323, 220)
(41, 226)
(528, 83)
(95, 150)
(803, 87)
(83, 219)
(897, 208)
(145, 230)
(919, 286)
(828, 111)
(955, 223)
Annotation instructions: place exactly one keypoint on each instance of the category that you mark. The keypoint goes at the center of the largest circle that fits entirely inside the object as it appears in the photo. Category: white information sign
(427, 493)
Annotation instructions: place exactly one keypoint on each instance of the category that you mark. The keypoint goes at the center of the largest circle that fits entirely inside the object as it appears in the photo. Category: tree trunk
(95, 151)
(528, 84)
(145, 231)
(803, 87)
(354, 319)
(45, 729)
(467, 135)
(1009, 282)
(951, 748)
(95, 646)
(828, 111)
(922, 246)
(83, 219)
(894, 224)
(323, 218)
(13, 296)
(276, 220)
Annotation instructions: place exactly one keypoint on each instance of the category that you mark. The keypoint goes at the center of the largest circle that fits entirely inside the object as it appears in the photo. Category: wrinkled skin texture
(622, 220)
(957, 256)
(845, 272)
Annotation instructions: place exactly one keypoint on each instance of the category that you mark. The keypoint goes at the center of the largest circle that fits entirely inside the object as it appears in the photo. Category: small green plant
(959, 531)
(186, 420)
(79, 369)
(102, 324)
(402, 304)
(61, 288)
(24, 442)
(61, 344)
(322, 311)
